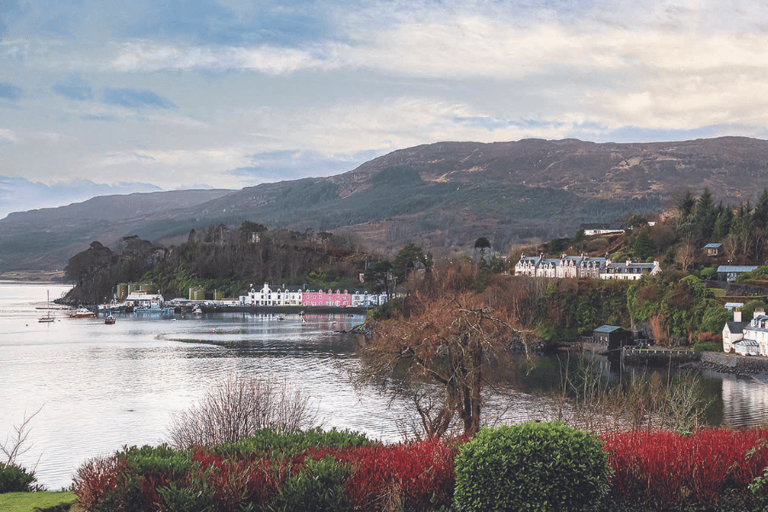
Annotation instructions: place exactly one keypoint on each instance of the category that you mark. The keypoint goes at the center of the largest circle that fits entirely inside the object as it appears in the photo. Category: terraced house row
(301, 296)
(583, 266)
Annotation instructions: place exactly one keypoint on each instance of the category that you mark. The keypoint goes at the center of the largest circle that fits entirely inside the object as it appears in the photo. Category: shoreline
(34, 276)
(720, 362)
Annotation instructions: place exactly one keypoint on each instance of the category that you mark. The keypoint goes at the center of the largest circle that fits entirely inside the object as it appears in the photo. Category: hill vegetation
(442, 196)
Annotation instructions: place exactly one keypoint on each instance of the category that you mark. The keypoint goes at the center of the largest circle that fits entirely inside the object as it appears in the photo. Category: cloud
(146, 56)
(74, 88)
(136, 99)
(10, 91)
(7, 136)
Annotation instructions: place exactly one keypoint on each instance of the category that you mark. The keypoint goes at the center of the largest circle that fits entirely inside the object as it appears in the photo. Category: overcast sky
(108, 97)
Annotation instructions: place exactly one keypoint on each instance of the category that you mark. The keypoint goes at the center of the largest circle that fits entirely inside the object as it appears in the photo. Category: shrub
(318, 485)
(531, 466)
(707, 347)
(235, 409)
(665, 470)
(272, 442)
(14, 478)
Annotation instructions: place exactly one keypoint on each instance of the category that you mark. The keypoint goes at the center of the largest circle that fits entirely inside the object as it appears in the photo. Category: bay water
(99, 387)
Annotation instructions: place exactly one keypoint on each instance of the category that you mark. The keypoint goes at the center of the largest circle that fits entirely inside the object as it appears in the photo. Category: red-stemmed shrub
(665, 469)
(96, 480)
(415, 476)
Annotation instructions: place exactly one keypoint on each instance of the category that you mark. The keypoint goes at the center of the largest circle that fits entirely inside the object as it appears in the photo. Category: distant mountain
(18, 194)
(442, 195)
(45, 239)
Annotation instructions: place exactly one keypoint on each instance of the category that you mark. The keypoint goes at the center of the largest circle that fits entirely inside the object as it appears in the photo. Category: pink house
(329, 298)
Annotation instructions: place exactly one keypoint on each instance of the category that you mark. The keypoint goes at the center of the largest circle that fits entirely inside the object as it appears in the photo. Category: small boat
(281, 317)
(110, 320)
(47, 318)
(82, 313)
(197, 310)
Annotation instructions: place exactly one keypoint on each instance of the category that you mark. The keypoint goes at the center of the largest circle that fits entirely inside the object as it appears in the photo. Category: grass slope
(44, 501)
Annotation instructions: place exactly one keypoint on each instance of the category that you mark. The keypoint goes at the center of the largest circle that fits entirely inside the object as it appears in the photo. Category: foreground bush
(14, 478)
(532, 466)
(333, 471)
(704, 471)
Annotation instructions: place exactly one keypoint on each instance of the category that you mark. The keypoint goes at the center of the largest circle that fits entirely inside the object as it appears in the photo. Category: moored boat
(110, 320)
(82, 313)
(47, 318)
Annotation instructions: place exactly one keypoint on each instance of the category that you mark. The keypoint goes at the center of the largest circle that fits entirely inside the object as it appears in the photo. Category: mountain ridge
(441, 195)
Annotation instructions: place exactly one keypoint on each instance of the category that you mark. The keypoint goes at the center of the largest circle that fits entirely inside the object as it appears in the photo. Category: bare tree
(16, 446)
(446, 341)
(236, 408)
(686, 253)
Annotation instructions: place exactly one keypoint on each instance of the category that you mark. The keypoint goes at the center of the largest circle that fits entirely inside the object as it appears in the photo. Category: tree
(705, 214)
(685, 254)
(408, 259)
(446, 341)
(643, 246)
(377, 276)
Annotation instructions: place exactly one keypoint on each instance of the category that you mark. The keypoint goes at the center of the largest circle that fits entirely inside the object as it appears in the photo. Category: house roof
(736, 268)
(731, 305)
(736, 327)
(607, 328)
(713, 246)
(603, 225)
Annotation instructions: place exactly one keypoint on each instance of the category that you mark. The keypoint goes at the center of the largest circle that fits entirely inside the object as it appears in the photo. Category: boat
(47, 318)
(82, 313)
(110, 320)
(197, 310)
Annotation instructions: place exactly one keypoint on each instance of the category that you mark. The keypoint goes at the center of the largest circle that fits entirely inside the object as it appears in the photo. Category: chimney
(736, 316)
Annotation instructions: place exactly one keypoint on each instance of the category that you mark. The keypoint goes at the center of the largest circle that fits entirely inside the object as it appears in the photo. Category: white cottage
(733, 332)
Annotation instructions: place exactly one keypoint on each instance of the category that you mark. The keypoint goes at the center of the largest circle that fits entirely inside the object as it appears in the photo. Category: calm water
(104, 386)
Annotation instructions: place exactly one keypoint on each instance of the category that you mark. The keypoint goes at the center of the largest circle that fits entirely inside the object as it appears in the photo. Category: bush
(317, 486)
(668, 471)
(236, 408)
(270, 442)
(14, 478)
(707, 347)
(257, 471)
(531, 466)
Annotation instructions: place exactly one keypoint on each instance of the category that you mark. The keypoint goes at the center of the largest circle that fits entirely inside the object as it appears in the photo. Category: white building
(266, 296)
(757, 331)
(143, 300)
(733, 332)
(628, 270)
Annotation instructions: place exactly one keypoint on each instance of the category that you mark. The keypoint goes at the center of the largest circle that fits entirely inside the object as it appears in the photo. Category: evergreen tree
(705, 215)
(760, 214)
(644, 247)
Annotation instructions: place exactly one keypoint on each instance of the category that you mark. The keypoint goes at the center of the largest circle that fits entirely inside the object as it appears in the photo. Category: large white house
(280, 296)
(753, 338)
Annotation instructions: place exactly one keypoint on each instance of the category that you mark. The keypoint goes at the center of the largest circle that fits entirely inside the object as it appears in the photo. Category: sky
(115, 97)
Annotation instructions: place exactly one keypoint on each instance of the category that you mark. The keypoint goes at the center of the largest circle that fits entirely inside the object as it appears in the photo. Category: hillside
(441, 195)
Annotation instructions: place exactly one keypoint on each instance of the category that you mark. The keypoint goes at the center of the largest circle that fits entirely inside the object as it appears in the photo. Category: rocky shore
(716, 361)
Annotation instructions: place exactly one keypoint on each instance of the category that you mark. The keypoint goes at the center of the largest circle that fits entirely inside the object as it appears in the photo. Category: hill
(441, 195)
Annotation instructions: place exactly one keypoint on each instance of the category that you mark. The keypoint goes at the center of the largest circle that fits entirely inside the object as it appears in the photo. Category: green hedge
(531, 467)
